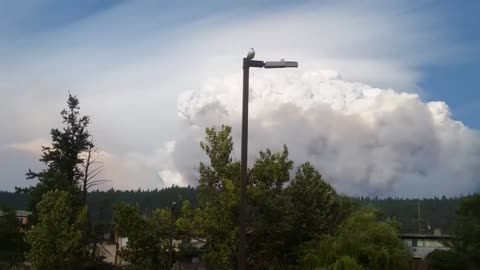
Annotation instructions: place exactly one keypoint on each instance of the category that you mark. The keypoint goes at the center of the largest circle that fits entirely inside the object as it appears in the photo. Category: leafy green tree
(435, 213)
(187, 227)
(283, 214)
(468, 229)
(279, 219)
(269, 223)
(465, 248)
(148, 237)
(311, 261)
(314, 203)
(284, 218)
(55, 239)
(446, 260)
(218, 199)
(362, 242)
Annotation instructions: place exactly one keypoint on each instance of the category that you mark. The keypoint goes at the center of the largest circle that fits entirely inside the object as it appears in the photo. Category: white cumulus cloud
(363, 139)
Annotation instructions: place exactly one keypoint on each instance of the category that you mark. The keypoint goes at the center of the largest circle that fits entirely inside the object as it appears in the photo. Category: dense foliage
(465, 248)
(12, 246)
(281, 217)
(361, 242)
(148, 237)
(218, 199)
(101, 203)
(13, 200)
(446, 260)
(56, 239)
(434, 212)
(468, 229)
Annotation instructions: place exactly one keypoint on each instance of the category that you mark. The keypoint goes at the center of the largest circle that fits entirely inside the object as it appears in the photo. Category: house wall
(107, 250)
(419, 248)
(22, 220)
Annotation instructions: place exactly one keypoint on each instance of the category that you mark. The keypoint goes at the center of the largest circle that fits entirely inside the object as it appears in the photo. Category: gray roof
(425, 236)
(18, 213)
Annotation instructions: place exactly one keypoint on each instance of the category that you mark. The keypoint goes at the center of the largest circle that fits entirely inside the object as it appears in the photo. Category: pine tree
(63, 157)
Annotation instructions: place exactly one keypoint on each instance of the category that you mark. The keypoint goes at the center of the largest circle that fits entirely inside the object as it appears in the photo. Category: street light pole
(247, 63)
(243, 174)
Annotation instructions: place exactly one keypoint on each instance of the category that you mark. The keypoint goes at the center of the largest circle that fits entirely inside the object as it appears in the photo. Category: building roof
(425, 236)
(18, 213)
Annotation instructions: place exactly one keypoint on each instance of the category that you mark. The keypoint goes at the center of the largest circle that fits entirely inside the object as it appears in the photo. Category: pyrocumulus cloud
(364, 140)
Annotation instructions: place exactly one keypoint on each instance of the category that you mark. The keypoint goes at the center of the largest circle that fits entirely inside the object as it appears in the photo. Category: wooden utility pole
(419, 219)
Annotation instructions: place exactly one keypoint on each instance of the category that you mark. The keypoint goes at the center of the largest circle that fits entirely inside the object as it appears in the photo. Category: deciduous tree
(468, 229)
(148, 237)
(270, 220)
(362, 242)
(55, 239)
(218, 199)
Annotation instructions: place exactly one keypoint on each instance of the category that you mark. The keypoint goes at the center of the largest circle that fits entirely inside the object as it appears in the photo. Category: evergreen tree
(63, 157)
(64, 173)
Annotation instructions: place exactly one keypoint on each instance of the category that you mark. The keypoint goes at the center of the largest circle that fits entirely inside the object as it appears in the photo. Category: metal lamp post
(248, 62)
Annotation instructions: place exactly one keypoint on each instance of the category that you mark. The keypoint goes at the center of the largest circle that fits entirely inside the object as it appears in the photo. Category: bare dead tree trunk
(91, 169)
(85, 176)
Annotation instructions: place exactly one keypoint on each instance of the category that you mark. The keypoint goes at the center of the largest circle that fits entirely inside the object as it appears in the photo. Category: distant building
(420, 245)
(21, 215)
(109, 247)
(188, 256)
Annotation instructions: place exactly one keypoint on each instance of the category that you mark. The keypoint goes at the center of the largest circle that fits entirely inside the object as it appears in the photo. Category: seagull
(251, 54)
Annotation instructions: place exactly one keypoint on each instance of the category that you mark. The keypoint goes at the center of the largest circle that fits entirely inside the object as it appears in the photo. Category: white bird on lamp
(251, 54)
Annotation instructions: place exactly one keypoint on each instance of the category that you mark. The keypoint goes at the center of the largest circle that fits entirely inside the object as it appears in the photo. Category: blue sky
(456, 83)
(131, 62)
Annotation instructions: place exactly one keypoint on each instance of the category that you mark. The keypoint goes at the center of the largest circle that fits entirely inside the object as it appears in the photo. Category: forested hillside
(11, 200)
(101, 202)
(434, 212)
